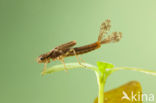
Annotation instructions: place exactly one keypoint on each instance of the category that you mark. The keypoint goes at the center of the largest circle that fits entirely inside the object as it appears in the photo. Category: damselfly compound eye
(41, 58)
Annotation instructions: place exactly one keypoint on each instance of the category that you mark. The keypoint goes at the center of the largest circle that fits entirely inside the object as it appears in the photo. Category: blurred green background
(29, 28)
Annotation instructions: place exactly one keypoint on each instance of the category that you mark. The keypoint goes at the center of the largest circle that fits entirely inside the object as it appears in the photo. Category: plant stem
(69, 66)
(101, 83)
(101, 93)
(136, 69)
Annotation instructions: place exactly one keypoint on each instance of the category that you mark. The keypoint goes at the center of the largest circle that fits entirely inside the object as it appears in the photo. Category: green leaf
(105, 68)
(116, 95)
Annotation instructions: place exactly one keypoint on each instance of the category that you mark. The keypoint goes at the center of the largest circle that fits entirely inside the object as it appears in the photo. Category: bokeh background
(29, 28)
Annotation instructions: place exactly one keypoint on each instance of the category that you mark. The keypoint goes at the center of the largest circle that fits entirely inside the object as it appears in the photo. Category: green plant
(102, 70)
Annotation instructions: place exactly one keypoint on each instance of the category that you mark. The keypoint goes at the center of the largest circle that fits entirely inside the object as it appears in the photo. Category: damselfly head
(43, 59)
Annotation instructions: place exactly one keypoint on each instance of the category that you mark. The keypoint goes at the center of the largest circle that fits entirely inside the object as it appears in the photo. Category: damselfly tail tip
(115, 37)
(108, 20)
(105, 26)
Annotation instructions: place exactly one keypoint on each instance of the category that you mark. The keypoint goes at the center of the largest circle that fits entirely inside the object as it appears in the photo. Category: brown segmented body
(84, 49)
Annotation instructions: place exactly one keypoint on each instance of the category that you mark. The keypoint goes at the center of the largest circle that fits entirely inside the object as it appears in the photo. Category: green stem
(69, 66)
(101, 78)
(101, 93)
(135, 69)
